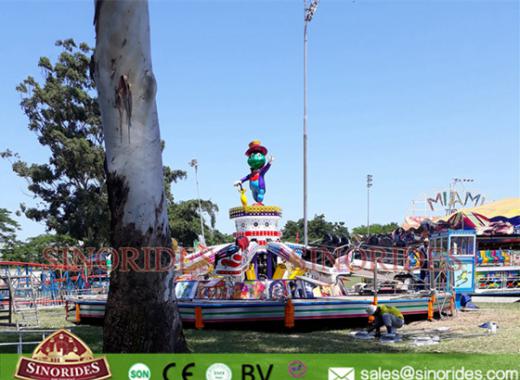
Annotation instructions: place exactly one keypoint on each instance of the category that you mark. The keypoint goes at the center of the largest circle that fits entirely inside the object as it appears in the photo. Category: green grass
(465, 336)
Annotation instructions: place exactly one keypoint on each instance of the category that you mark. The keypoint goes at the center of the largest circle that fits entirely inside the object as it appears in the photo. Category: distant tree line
(375, 229)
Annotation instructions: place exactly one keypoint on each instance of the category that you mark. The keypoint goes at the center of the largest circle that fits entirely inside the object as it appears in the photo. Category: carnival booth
(453, 257)
(482, 272)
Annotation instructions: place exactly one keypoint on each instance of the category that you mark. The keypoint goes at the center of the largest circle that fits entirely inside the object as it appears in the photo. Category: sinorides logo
(139, 371)
(62, 356)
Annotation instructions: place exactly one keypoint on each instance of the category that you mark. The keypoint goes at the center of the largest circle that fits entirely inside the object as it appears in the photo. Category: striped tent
(507, 210)
(465, 219)
(414, 222)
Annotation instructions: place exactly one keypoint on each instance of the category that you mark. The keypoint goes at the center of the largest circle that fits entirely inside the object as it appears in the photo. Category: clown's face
(256, 161)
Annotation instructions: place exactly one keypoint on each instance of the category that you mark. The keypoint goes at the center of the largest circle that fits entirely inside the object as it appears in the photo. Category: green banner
(300, 366)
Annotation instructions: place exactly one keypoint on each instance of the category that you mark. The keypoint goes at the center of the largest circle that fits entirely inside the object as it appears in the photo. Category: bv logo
(62, 356)
(342, 373)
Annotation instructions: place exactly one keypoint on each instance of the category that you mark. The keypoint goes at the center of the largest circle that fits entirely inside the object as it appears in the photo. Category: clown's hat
(255, 146)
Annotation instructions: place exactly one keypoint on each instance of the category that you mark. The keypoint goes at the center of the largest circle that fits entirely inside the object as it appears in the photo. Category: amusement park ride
(25, 288)
(261, 278)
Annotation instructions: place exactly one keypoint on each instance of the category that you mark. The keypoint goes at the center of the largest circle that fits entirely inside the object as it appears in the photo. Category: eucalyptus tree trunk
(141, 313)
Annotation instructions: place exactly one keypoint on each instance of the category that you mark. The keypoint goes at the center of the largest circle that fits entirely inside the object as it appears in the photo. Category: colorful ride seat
(279, 272)
(251, 273)
(498, 254)
(490, 259)
(513, 280)
(493, 280)
(496, 259)
(507, 257)
(482, 259)
(296, 272)
(515, 277)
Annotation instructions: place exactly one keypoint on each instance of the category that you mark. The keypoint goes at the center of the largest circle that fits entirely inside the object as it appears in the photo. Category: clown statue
(256, 161)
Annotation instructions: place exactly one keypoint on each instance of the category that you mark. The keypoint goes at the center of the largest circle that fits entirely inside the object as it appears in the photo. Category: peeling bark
(124, 103)
(141, 313)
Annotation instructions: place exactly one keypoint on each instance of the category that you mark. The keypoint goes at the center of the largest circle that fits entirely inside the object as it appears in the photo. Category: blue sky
(413, 92)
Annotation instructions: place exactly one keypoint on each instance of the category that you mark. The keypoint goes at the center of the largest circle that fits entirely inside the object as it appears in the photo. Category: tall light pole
(308, 14)
(369, 185)
(195, 165)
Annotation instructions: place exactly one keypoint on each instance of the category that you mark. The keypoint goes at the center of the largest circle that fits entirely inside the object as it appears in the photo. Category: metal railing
(20, 342)
(499, 281)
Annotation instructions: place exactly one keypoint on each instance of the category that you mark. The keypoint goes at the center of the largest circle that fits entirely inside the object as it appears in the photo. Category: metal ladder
(6, 307)
(23, 298)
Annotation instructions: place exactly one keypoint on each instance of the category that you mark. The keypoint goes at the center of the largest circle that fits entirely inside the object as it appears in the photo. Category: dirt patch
(466, 335)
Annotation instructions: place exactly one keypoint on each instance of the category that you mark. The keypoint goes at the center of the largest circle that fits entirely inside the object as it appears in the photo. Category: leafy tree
(185, 223)
(216, 237)
(32, 249)
(63, 112)
(171, 176)
(8, 228)
(319, 229)
(375, 229)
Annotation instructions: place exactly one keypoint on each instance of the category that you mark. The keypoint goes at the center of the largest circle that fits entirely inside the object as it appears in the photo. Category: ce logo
(186, 373)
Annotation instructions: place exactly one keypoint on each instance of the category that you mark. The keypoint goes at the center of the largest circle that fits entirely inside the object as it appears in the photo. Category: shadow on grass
(307, 336)
(241, 341)
(327, 336)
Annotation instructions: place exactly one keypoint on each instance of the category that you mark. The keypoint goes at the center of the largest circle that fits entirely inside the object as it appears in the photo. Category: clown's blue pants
(258, 193)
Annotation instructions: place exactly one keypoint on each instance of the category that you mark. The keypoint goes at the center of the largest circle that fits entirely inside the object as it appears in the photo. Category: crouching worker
(387, 316)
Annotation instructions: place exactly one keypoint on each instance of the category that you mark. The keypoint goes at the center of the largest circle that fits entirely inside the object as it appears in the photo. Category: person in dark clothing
(425, 263)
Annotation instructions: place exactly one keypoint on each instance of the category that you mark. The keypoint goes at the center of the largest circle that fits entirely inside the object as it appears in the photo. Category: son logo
(139, 371)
